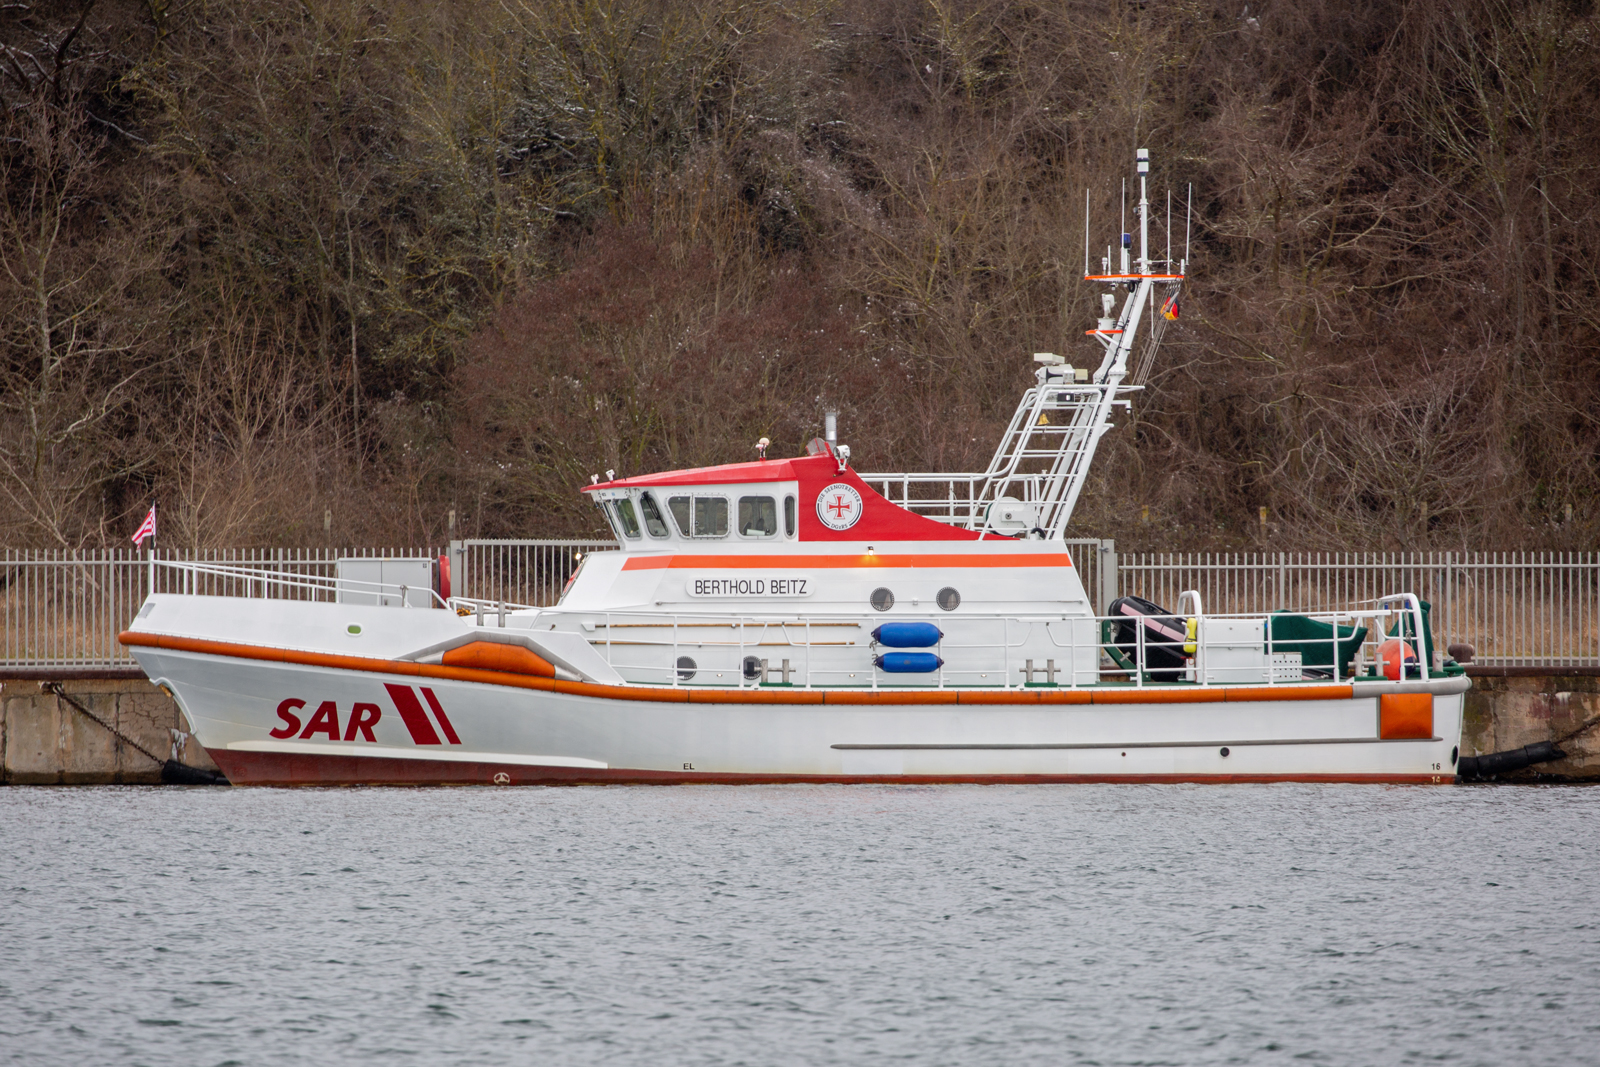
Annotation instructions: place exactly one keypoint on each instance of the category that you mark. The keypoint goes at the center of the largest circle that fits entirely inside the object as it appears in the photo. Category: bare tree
(80, 296)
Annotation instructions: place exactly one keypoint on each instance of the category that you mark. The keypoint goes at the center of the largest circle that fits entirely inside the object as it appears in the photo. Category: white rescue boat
(782, 621)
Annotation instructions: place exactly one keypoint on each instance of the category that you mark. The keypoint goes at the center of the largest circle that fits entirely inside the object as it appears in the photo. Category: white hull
(573, 732)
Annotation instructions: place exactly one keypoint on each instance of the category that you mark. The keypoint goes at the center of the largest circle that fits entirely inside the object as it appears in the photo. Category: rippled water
(806, 925)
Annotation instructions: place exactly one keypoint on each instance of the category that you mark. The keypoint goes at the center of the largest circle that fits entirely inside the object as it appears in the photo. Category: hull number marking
(324, 722)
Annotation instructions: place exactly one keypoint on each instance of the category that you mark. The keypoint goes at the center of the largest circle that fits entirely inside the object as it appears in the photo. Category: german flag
(1169, 310)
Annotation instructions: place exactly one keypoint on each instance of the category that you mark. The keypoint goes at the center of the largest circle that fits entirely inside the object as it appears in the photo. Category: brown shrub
(647, 353)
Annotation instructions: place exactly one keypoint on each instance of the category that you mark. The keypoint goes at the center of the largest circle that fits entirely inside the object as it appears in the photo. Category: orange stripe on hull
(755, 696)
(1053, 696)
(1196, 695)
(1022, 696)
(891, 696)
(679, 695)
(1273, 692)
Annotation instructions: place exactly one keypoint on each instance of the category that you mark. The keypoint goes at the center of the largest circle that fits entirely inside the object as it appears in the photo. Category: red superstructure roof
(769, 470)
(880, 519)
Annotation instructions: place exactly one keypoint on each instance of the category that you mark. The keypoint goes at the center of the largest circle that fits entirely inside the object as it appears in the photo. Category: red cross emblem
(839, 506)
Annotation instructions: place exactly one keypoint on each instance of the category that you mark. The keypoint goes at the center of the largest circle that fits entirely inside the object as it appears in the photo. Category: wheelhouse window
(711, 516)
(788, 516)
(627, 521)
(682, 508)
(758, 516)
(700, 516)
(654, 524)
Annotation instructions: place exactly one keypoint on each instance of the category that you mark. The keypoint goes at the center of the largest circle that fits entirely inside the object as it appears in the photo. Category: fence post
(1446, 624)
(1108, 576)
(458, 571)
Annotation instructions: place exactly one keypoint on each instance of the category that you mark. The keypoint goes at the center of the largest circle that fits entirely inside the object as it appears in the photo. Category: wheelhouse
(648, 517)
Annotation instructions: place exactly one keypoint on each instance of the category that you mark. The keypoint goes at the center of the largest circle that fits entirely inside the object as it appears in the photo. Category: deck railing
(1010, 650)
(64, 609)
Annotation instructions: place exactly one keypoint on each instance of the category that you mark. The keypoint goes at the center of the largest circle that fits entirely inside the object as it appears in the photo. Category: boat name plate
(771, 586)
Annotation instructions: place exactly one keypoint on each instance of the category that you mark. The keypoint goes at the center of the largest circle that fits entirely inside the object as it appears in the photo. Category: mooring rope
(172, 771)
(55, 687)
(1587, 723)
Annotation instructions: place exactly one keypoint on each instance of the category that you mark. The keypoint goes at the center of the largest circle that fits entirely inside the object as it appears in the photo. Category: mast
(1043, 458)
(1093, 417)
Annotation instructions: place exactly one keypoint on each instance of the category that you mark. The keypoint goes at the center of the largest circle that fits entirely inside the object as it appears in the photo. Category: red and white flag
(147, 528)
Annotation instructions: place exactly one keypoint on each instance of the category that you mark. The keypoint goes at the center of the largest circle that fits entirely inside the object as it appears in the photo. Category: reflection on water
(807, 925)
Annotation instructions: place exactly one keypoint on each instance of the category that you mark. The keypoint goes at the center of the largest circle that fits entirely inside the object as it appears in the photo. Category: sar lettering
(291, 721)
(325, 721)
(363, 717)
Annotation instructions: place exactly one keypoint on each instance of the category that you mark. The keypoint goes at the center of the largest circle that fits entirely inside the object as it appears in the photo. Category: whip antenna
(1186, 220)
(1169, 231)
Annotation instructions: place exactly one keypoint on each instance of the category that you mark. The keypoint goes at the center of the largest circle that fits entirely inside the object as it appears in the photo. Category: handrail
(1414, 604)
(746, 632)
(317, 582)
(1199, 628)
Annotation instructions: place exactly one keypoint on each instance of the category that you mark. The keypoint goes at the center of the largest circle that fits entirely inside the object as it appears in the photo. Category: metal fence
(518, 572)
(1537, 609)
(65, 609)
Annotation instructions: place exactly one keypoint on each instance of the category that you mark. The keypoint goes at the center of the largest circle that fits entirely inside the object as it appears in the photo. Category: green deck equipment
(1313, 640)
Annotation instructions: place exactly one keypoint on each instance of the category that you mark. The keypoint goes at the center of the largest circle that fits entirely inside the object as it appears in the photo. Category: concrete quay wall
(44, 740)
(1509, 707)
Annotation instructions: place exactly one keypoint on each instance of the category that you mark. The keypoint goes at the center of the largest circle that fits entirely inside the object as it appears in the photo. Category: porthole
(1455, 753)
(752, 668)
(948, 599)
(686, 668)
(882, 599)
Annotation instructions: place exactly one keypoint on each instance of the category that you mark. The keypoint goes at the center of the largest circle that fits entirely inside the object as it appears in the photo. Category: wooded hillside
(326, 271)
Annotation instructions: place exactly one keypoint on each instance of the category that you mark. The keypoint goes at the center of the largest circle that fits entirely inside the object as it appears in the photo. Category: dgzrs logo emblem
(839, 506)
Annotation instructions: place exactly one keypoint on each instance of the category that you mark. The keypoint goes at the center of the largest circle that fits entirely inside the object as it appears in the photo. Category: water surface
(801, 925)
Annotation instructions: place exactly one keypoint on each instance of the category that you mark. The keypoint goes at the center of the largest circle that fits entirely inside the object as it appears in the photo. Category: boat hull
(273, 722)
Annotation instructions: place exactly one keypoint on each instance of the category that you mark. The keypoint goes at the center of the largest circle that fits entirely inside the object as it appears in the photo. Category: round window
(882, 599)
(948, 599)
(686, 668)
(752, 668)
